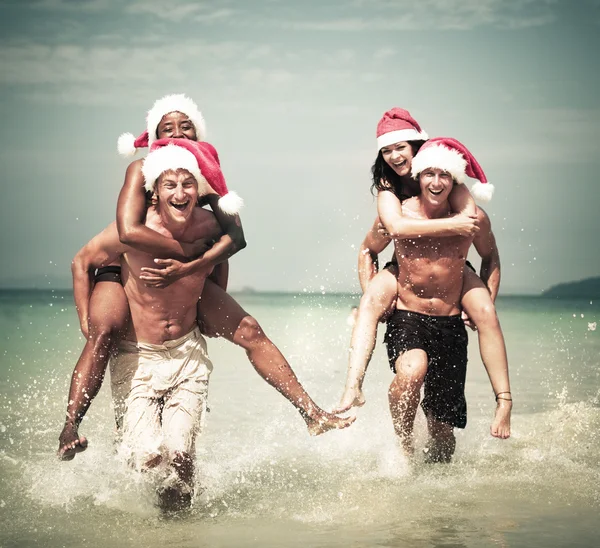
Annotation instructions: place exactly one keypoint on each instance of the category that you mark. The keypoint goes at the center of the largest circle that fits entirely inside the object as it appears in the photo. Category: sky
(291, 93)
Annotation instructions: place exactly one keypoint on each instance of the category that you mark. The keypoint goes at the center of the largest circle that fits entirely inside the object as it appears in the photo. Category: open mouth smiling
(179, 207)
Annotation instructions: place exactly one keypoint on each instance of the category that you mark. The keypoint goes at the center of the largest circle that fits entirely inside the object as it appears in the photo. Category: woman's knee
(105, 334)
(376, 301)
(485, 316)
(250, 331)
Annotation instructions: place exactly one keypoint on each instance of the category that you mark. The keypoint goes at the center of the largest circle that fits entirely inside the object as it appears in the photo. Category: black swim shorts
(108, 274)
(394, 263)
(444, 339)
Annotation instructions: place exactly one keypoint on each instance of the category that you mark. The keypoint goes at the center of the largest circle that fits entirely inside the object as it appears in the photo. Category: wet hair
(385, 178)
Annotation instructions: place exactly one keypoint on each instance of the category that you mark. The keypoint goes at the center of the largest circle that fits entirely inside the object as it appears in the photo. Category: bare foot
(70, 443)
(500, 427)
(326, 421)
(350, 399)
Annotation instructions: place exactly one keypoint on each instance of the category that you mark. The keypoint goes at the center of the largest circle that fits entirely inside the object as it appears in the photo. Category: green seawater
(264, 482)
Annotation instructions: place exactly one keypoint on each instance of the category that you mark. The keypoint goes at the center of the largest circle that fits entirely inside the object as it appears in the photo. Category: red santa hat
(127, 144)
(398, 125)
(454, 157)
(200, 159)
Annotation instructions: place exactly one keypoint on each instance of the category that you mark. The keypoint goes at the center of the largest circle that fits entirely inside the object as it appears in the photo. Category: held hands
(168, 272)
(466, 225)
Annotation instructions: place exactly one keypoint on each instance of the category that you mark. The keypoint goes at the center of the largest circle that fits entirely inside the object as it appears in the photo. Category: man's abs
(432, 288)
(161, 314)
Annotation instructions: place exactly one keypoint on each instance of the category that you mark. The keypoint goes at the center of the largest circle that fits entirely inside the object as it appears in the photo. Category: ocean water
(264, 482)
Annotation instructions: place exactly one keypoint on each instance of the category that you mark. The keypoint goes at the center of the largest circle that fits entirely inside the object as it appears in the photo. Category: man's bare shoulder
(205, 223)
(411, 206)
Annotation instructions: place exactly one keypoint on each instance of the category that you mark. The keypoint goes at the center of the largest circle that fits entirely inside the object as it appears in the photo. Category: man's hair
(385, 178)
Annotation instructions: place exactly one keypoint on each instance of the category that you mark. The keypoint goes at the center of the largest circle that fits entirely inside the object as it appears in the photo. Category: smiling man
(426, 337)
(160, 374)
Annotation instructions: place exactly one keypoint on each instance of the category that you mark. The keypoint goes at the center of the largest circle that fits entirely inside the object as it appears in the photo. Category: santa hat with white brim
(398, 125)
(127, 144)
(454, 157)
(202, 162)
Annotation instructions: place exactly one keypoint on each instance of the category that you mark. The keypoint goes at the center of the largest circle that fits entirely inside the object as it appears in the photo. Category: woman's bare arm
(373, 244)
(400, 226)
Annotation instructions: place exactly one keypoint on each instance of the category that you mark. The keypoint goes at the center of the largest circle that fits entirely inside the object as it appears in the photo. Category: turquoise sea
(264, 482)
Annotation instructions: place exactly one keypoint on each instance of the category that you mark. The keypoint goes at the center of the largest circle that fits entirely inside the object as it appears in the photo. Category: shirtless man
(426, 336)
(399, 138)
(160, 374)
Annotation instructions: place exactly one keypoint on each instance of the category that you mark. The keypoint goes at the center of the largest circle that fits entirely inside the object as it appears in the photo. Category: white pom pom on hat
(127, 144)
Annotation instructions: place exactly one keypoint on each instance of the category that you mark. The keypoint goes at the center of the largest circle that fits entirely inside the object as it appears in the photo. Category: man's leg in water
(182, 421)
(442, 442)
(108, 316)
(379, 298)
(220, 314)
(477, 303)
(404, 394)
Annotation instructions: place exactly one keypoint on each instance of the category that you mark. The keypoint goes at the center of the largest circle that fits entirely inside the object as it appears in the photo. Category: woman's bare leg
(108, 316)
(379, 298)
(477, 303)
(219, 314)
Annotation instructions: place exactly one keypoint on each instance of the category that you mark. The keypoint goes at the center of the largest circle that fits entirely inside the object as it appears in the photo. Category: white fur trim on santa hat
(231, 203)
(126, 144)
(172, 157)
(440, 157)
(400, 135)
(482, 191)
(175, 103)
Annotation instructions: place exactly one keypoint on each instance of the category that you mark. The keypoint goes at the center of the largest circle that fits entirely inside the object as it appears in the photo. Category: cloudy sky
(292, 92)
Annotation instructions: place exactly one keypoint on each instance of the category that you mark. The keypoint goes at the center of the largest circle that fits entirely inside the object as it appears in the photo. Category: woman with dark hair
(399, 138)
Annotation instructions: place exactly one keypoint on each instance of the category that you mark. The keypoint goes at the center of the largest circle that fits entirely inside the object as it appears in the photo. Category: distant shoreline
(257, 293)
(581, 289)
